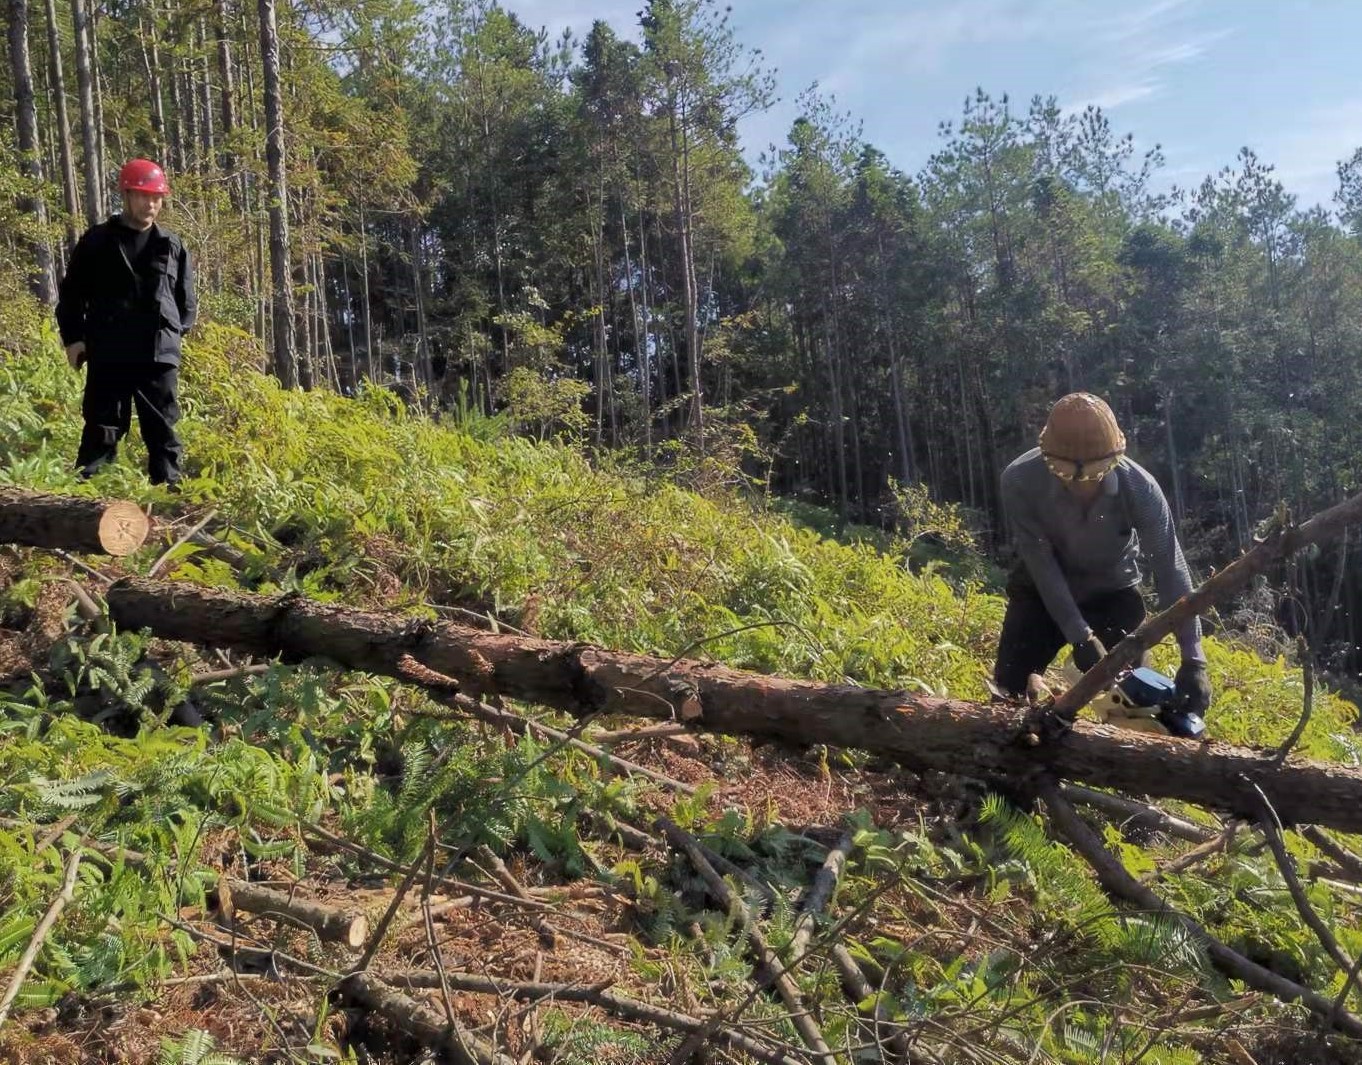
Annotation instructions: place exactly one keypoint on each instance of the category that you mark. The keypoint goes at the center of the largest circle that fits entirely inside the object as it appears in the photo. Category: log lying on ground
(330, 924)
(610, 1001)
(419, 1021)
(923, 732)
(91, 526)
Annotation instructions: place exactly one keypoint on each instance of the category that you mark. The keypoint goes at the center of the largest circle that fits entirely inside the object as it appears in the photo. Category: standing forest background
(566, 235)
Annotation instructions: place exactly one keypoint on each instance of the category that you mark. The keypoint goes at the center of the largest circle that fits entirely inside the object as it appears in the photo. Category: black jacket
(121, 317)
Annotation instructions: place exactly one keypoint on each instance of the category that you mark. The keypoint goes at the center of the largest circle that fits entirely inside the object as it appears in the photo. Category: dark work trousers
(112, 389)
(1031, 639)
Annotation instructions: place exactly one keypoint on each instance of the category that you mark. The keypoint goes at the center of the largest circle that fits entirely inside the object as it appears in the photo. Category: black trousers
(1031, 639)
(112, 390)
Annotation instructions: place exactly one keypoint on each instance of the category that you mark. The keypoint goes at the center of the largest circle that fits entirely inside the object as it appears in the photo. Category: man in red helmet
(125, 302)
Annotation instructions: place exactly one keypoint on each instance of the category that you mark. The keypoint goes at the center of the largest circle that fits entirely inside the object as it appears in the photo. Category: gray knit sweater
(1074, 554)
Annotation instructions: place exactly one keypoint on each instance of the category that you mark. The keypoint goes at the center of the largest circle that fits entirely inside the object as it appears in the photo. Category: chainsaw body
(1142, 699)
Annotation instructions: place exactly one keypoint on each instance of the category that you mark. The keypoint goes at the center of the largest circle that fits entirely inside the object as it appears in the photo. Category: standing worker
(1081, 515)
(125, 303)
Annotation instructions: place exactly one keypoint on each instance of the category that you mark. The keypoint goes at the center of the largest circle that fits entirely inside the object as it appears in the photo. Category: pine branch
(1118, 882)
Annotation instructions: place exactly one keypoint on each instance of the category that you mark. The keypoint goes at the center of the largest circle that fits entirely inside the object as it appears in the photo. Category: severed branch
(330, 925)
(446, 690)
(169, 552)
(215, 676)
(646, 732)
(1282, 542)
(854, 982)
(1308, 703)
(1118, 882)
(376, 940)
(1217, 845)
(820, 894)
(611, 1002)
(1142, 814)
(419, 1021)
(1272, 831)
(1346, 860)
(513, 886)
(35, 941)
(331, 840)
(771, 971)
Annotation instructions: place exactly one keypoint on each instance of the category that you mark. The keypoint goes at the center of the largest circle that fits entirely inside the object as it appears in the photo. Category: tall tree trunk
(646, 346)
(285, 357)
(327, 353)
(30, 161)
(306, 342)
(189, 108)
(205, 98)
(1174, 462)
(181, 137)
(94, 165)
(92, 28)
(425, 373)
(640, 335)
(364, 277)
(838, 441)
(148, 39)
(686, 262)
(70, 193)
(350, 325)
(227, 101)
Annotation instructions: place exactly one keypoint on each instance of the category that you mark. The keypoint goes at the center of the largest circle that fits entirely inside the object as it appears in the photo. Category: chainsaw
(1143, 699)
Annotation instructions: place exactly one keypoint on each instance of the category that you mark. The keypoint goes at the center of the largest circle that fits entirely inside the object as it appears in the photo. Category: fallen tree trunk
(91, 526)
(330, 924)
(923, 732)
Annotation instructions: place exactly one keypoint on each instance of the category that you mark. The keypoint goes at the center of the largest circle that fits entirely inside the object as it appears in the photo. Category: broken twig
(35, 941)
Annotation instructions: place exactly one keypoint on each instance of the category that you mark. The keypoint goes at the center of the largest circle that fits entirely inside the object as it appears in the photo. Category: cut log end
(123, 528)
(358, 933)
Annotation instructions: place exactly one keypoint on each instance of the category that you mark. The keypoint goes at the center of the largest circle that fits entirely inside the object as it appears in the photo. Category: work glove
(1193, 688)
(75, 354)
(1088, 653)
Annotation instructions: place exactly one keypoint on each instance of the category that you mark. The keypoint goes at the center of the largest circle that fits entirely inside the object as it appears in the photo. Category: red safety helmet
(142, 175)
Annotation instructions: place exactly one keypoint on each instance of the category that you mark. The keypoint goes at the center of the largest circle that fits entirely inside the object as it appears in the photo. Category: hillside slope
(992, 942)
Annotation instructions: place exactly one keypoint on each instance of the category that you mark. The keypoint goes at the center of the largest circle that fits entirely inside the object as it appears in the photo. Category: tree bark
(110, 527)
(330, 924)
(30, 160)
(417, 1020)
(610, 1001)
(68, 166)
(924, 732)
(285, 358)
(94, 165)
(227, 100)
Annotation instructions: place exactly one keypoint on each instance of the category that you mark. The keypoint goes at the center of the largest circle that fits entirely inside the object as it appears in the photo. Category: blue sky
(1201, 77)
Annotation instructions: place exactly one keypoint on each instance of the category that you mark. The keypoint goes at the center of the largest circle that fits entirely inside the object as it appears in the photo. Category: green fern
(196, 1048)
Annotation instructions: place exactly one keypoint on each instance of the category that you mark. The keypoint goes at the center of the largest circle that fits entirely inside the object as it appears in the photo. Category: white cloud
(1116, 96)
(1133, 53)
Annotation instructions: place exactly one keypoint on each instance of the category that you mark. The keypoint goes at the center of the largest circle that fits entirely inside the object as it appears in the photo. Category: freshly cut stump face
(123, 528)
